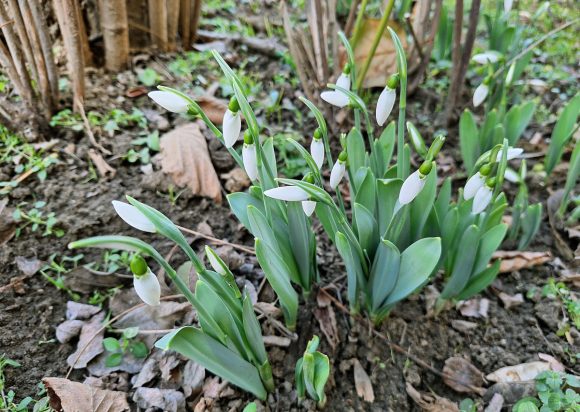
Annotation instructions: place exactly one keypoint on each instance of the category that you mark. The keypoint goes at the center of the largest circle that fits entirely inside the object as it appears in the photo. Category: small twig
(218, 241)
(398, 348)
(413, 35)
(146, 331)
(277, 324)
(90, 134)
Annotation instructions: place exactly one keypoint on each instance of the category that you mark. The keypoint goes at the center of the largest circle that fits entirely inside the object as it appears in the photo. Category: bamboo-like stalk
(8, 65)
(84, 39)
(115, 30)
(172, 24)
(195, 17)
(158, 23)
(22, 32)
(185, 23)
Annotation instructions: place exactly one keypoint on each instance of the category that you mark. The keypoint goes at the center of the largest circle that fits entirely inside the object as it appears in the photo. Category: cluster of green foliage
(127, 343)
(557, 392)
(8, 401)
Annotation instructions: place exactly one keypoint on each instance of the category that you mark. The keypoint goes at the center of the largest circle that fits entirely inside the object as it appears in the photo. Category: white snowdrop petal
(148, 288)
(511, 175)
(507, 5)
(317, 151)
(232, 125)
(486, 57)
(133, 217)
(513, 153)
(169, 101)
(385, 105)
(411, 187)
(335, 98)
(481, 200)
(337, 173)
(473, 185)
(287, 193)
(480, 94)
(308, 206)
(250, 161)
(343, 81)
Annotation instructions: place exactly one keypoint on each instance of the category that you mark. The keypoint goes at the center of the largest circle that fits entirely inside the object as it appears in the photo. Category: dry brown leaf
(555, 364)
(518, 373)
(327, 319)
(430, 402)
(103, 168)
(90, 342)
(474, 308)
(279, 341)
(71, 396)
(76, 310)
(28, 266)
(186, 159)
(213, 107)
(495, 404)
(362, 382)
(192, 378)
(68, 330)
(168, 400)
(509, 301)
(513, 260)
(462, 376)
(236, 180)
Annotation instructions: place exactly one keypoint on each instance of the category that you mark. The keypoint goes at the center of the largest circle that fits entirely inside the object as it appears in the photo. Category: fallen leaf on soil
(28, 266)
(555, 364)
(324, 313)
(511, 392)
(90, 343)
(474, 308)
(68, 330)
(81, 279)
(509, 301)
(192, 378)
(236, 180)
(362, 382)
(147, 373)
(75, 310)
(213, 107)
(186, 159)
(212, 388)
(513, 260)
(129, 364)
(430, 402)
(462, 376)
(167, 365)
(268, 309)
(67, 396)
(103, 168)
(7, 224)
(279, 341)
(495, 404)
(463, 325)
(518, 373)
(168, 400)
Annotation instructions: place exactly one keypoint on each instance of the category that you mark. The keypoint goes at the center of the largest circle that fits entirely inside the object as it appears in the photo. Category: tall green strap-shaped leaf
(418, 261)
(468, 140)
(325, 215)
(384, 273)
(317, 114)
(517, 119)
(277, 274)
(192, 343)
(299, 236)
(387, 196)
(239, 203)
(486, 132)
(308, 158)
(366, 194)
(463, 263)
(355, 149)
(479, 282)
(218, 283)
(498, 134)
(355, 275)
(253, 331)
(367, 228)
(443, 200)
(562, 132)
(422, 205)
(489, 243)
(299, 379)
(383, 149)
(571, 178)
(321, 374)
(530, 225)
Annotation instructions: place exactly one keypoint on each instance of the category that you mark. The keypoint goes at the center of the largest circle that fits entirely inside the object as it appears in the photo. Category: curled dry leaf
(562, 239)
(474, 308)
(186, 159)
(463, 325)
(509, 301)
(555, 364)
(66, 395)
(517, 260)
(462, 376)
(168, 400)
(518, 373)
(192, 378)
(68, 330)
(362, 382)
(236, 180)
(90, 342)
(75, 310)
(430, 402)
(327, 319)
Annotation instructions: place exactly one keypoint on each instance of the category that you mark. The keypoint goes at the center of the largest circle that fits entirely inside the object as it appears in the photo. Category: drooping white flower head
(513, 153)
(133, 217)
(338, 170)
(512, 176)
(317, 151)
(336, 97)
(308, 207)
(214, 261)
(249, 157)
(343, 81)
(480, 94)
(169, 101)
(481, 199)
(288, 193)
(385, 104)
(148, 288)
(474, 183)
(490, 56)
(411, 187)
(507, 5)
(232, 126)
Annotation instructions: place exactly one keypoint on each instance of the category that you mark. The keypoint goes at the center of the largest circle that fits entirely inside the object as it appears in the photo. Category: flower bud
(385, 104)
(148, 288)
(249, 157)
(317, 151)
(169, 101)
(338, 170)
(474, 183)
(308, 206)
(482, 199)
(288, 193)
(480, 94)
(232, 125)
(411, 187)
(133, 217)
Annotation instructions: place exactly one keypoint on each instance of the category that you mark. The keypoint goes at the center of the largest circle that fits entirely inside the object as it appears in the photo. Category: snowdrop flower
(232, 123)
(308, 207)
(336, 97)
(507, 5)
(482, 199)
(145, 282)
(133, 217)
(474, 183)
(412, 186)
(317, 148)
(288, 193)
(387, 99)
(170, 101)
(490, 56)
(338, 170)
(480, 94)
(513, 153)
(249, 157)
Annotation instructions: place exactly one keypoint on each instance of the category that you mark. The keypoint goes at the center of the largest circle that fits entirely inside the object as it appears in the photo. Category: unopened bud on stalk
(317, 149)
(483, 196)
(387, 99)
(249, 156)
(435, 147)
(145, 282)
(232, 123)
(308, 206)
(476, 182)
(338, 170)
(481, 92)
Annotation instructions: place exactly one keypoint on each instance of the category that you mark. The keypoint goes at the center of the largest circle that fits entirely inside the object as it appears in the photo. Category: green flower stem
(402, 68)
(376, 41)
(359, 19)
(330, 163)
